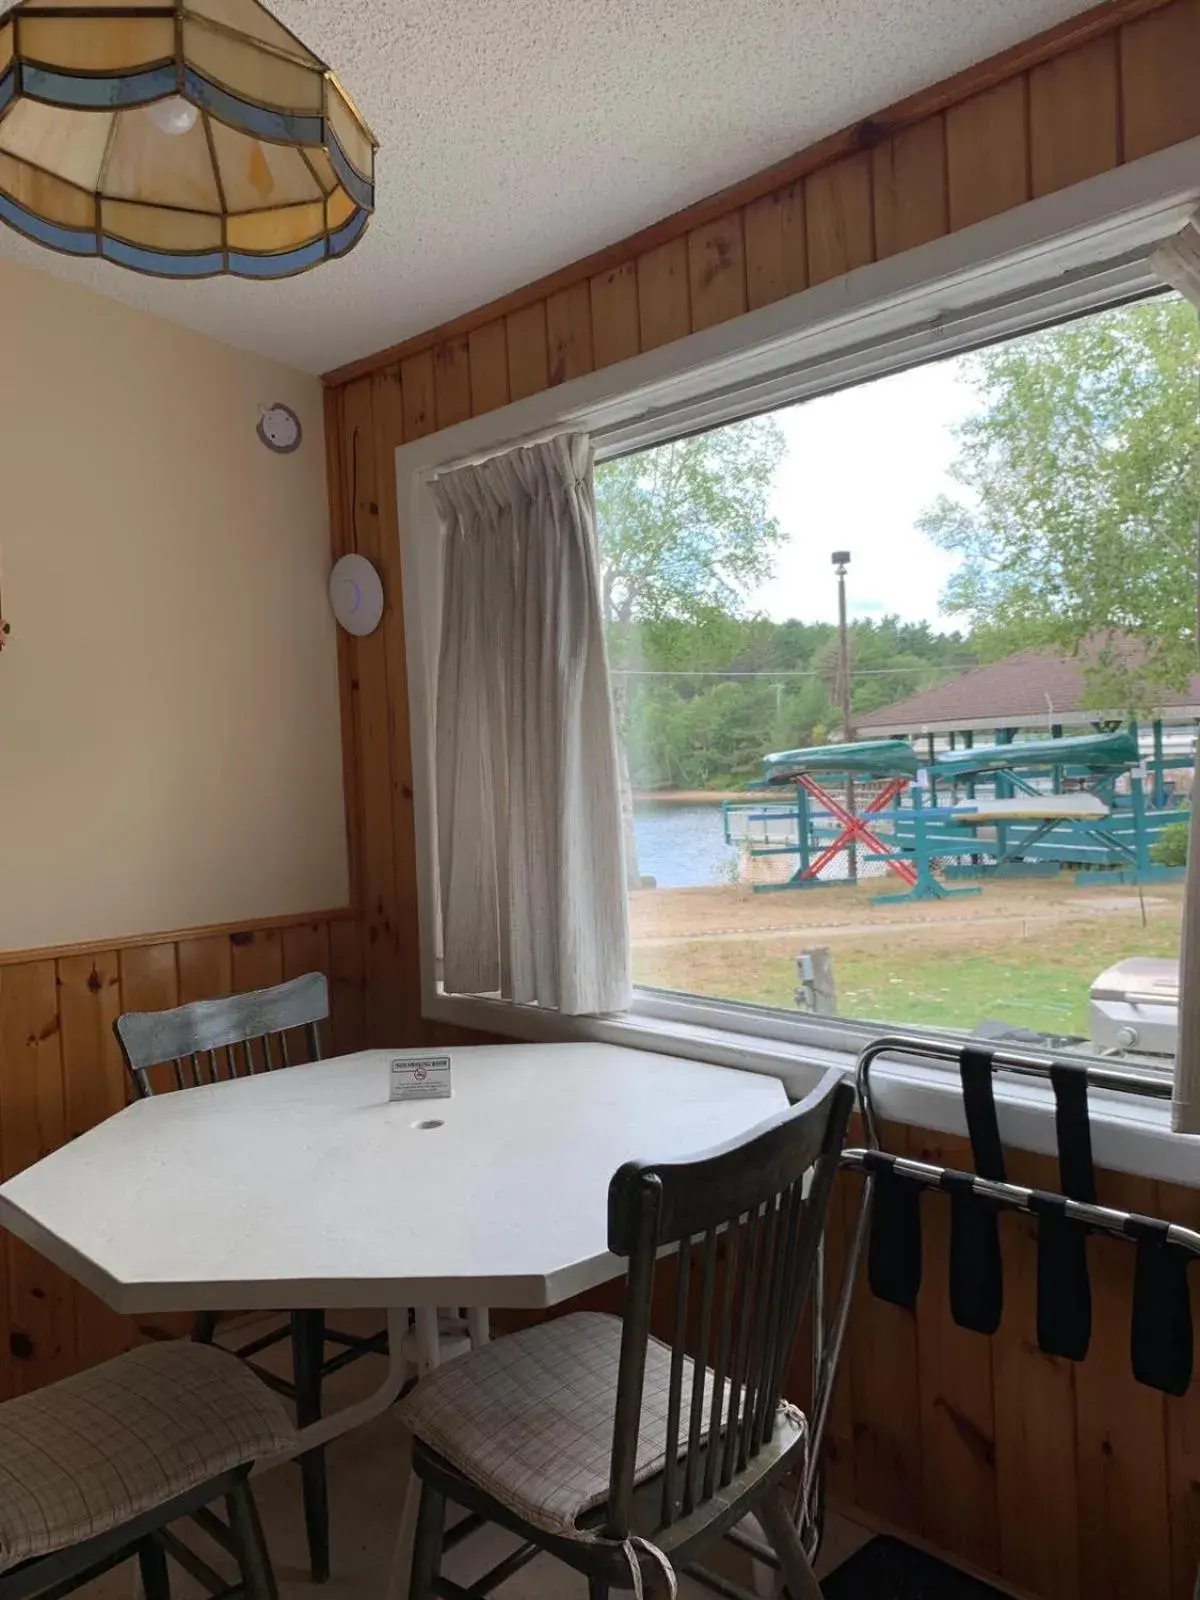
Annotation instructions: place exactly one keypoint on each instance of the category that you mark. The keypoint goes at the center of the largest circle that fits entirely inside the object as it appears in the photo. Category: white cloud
(860, 468)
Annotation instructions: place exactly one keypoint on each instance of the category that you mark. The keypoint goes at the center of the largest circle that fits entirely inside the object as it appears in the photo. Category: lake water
(683, 846)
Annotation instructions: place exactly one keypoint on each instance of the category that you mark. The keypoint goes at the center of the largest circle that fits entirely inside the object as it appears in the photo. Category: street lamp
(841, 560)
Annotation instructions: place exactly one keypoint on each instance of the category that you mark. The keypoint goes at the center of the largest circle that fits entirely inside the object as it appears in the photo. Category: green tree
(1079, 488)
(691, 728)
(802, 717)
(684, 528)
(685, 535)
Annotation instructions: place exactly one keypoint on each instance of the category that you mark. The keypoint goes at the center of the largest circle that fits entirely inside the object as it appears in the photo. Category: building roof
(1032, 689)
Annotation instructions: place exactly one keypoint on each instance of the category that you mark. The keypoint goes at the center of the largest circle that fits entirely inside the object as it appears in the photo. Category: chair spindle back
(746, 1235)
(210, 1040)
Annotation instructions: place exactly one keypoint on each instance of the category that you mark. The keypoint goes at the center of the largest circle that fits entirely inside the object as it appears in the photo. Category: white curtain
(1178, 263)
(528, 801)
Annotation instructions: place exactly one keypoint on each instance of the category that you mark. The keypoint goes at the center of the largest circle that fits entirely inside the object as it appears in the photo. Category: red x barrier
(855, 828)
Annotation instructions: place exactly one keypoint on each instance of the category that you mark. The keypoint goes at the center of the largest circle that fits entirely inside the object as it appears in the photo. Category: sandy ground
(1021, 952)
(735, 912)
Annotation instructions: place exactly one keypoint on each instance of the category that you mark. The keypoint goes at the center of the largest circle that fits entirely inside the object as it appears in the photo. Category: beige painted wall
(170, 751)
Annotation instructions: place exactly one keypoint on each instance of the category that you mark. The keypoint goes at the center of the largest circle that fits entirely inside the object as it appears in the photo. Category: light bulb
(174, 115)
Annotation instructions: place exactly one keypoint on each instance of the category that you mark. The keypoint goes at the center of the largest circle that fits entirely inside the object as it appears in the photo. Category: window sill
(1129, 1134)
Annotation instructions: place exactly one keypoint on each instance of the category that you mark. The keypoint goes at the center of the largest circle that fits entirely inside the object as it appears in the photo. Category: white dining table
(309, 1188)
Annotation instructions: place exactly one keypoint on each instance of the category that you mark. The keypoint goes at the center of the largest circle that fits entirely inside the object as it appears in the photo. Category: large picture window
(998, 430)
(966, 806)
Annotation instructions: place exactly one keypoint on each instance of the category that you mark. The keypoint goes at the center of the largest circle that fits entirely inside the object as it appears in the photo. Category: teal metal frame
(925, 886)
(1112, 849)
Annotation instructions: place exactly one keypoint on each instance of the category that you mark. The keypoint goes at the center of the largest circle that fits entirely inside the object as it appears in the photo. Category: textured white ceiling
(518, 135)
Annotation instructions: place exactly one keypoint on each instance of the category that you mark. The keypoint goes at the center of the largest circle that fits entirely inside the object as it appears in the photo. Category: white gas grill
(1135, 1007)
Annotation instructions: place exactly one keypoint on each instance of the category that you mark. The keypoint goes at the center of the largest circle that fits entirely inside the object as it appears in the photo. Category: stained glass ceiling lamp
(185, 138)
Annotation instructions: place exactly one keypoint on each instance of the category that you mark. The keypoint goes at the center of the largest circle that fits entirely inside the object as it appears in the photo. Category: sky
(860, 468)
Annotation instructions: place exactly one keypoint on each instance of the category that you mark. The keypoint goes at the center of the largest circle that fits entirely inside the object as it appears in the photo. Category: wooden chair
(624, 1456)
(95, 1468)
(212, 1040)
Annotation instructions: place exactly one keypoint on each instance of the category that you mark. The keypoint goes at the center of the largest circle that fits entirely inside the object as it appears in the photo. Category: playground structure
(1016, 807)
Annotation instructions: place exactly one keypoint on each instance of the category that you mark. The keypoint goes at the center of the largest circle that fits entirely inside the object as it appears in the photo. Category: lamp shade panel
(187, 138)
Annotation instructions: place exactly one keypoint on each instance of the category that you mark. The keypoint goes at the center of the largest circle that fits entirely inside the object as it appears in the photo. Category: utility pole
(841, 560)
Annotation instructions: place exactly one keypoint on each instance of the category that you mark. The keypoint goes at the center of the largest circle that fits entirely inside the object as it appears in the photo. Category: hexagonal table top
(307, 1187)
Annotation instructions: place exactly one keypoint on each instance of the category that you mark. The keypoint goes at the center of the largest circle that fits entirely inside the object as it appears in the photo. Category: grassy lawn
(1034, 976)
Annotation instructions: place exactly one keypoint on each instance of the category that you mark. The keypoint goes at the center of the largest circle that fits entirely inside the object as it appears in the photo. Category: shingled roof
(1034, 688)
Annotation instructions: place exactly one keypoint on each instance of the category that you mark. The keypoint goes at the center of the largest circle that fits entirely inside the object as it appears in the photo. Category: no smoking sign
(420, 1077)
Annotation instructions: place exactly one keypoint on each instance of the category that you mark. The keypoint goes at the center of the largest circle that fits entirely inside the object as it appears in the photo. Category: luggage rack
(1170, 1245)
(1101, 1072)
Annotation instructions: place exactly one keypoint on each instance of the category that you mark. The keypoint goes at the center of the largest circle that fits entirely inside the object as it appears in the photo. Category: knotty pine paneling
(839, 215)
(569, 330)
(1183, 1428)
(1074, 121)
(205, 967)
(61, 1073)
(528, 354)
(776, 246)
(954, 1388)
(717, 271)
(1120, 1429)
(1159, 102)
(487, 352)
(987, 150)
(374, 705)
(418, 389)
(664, 298)
(452, 382)
(1062, 1479)
(881, 1372)
(1034, 1397)
(909, 187)
(615, 321)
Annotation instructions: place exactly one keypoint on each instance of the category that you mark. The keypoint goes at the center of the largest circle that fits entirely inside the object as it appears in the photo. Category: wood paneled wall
(1106, 87)
(1070, 1481)
(61, 1072)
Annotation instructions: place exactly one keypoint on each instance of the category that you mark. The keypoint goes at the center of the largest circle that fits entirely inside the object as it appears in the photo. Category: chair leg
(308, 1355)
(427, 1545)
(204, 1327)
(777, 1524)
(152, 1561)
(253, 1557)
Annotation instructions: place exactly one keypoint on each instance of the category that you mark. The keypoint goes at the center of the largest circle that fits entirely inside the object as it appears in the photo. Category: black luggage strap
(1064, 1293)
(976, 1271)
(894, 1247)
(1160, 1337)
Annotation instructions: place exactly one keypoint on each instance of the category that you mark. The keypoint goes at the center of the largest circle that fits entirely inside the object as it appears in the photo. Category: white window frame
(1056, 257)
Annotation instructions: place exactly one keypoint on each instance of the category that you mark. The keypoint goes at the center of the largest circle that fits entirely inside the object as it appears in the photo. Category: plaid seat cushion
(529, 1419)
(89, 1453)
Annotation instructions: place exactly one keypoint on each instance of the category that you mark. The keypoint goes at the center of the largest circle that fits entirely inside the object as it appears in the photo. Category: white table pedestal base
(430, 1351)
(430, 1354)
